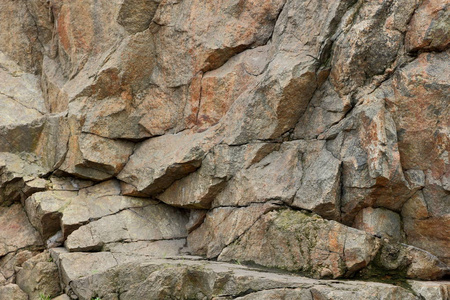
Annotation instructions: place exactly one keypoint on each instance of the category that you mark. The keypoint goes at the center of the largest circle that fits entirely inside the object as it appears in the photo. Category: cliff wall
(240, 149)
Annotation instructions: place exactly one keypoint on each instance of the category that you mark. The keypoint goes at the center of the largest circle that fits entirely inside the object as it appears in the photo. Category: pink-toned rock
(260, 124)
(281, 96)
(431, 234)
(372, 174)
(221, 87)
(299, 242)
(19, 38)
(367, 49)
(14, 223)
(192, 36)
(85, 30)
(199, 189)
(419, 107)
(428, 28)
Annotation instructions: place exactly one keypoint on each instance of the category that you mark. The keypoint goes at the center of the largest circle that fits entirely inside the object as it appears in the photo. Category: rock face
(152, 147)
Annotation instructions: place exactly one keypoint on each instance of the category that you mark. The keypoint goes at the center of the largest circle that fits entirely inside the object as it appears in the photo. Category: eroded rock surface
(309, 137)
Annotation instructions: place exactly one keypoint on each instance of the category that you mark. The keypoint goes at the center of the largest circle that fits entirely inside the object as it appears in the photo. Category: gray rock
(196, 279)
(96, 158)
(39, 276)
(12, 292)
(380, 222)
(173, 157)
(14, 223)
(149, 223)
(199, 189)
(52, 211)
(431, 290)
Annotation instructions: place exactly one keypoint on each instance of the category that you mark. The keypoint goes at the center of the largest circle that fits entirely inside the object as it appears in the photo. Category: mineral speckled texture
(228, 149)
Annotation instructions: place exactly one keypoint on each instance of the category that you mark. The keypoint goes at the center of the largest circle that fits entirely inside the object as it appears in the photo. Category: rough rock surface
(148, 144)
(193, 278)
(37, 277)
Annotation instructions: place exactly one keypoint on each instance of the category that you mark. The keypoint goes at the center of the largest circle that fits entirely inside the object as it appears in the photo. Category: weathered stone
(52, 146)
(421, 145)
(45, 209)
(52, 211)
(12, 262)
(320, 189)
(35, 185)
(298, 242)
(172, 157)
(362, 291)
(39, 276)
(431, 290)
(45, 137)
(136, 15)
(424, 265)
(14, 223)
(235, 114)
(430, 234)
(19, 35)
(81, 264)
(428, 28)
(222, 226)
(161, 248)
(96, 158)
(14, 171)
(402, 260)
(191, 36)
(68, 183)
(221, 87)
(199, 189)
(12, 292)
(275, 177)
(149, 223)
(418, 104)
(84, 34)
(380, 222)
(274, 105)
(371, 35)
(325, 109)
(52, 82)
(154, 279)
(196, 218)
(303, 294)
(20, 94)
(372, 175)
